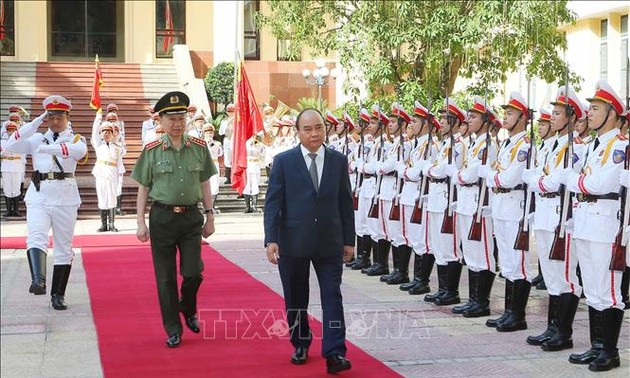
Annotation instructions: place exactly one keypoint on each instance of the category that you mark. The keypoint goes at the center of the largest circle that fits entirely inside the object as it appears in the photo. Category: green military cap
(172, 103)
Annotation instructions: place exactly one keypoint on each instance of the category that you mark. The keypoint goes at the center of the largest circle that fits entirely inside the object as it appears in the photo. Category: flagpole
(237, 59)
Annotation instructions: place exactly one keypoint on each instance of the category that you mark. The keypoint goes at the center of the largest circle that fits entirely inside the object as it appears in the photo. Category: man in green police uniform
(175, 171)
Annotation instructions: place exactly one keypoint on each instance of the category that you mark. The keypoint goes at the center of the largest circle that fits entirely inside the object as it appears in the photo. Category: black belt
(437, 180)
(390, 174)
(581, 197)
(549, 195)
(367, 176)
(507, 190)
(176, 208)
(55, 176)
(468, 185)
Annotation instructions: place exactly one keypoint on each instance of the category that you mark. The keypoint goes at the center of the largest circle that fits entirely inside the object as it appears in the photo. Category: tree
(219, 83)
(418, 48)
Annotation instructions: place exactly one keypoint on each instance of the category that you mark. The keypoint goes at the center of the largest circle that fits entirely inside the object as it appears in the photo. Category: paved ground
(413, 337)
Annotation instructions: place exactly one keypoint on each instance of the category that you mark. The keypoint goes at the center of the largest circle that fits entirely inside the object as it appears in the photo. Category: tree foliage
(219, 83)
(417, 49)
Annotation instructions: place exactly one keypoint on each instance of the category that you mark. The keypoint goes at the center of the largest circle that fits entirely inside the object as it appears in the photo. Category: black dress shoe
(192, 323)
(337, 363)
(299, 356)
(58, 302)
(173, 341)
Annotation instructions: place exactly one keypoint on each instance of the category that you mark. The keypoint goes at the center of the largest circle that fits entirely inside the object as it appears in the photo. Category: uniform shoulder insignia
(622, 137)
(527, 140)
(153, 144)
(578, 140)
(197, 141)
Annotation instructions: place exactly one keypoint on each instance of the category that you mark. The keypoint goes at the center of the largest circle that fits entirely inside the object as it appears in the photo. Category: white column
(228, 30)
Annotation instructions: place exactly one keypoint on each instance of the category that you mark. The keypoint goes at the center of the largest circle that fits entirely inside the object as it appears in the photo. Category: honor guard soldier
(411, 199)
(596, 187)
(175, 171)
(52, 199)
(113, 108)
(505, 179)
(216, 151)
(108, 164)
(195, 128)
(14, 116)
(477, 250)
(227, 130)
(367, 126)
(544, 180)
(255, 155)
(445, 246)
(13, 168)
(148, 124)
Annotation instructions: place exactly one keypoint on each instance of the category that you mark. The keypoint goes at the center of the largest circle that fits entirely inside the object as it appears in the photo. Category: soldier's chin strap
(605, 119)
(509, 129)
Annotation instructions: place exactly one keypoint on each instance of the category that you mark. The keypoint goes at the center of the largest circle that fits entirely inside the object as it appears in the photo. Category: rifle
(394, 213)
(373, 212)
(522, 237)
(359, 178)
(416, 214)
(475, 228)
(447, 221)
(558, 246)
(618, 261)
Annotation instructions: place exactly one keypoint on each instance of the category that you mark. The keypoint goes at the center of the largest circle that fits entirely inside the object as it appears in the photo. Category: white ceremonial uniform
(367, 185)
(148, 131)
(226, 129)
(390, 190)
(121, 168)
(377, 226)
(595, 222)
(216, 150)
(255, 156)
(560, 276)
(107, 167)
(13, 168)
(445, 247)
(56, 203)
(508, 203)
(479, 255)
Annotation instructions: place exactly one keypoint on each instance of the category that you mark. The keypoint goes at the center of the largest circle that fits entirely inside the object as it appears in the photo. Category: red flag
(2, 27)
(95, 101)
(168, 27)
(248, 122)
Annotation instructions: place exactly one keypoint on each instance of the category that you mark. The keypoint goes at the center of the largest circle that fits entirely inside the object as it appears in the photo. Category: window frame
(178, 34)
(251, 35)
(8, 29)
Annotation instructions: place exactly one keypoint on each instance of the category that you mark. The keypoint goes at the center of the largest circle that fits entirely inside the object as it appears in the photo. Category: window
(83, 28)
(603, 50)
(251, 44)
(7, 29)
(624, 55)
(284, 51)
(170, 26)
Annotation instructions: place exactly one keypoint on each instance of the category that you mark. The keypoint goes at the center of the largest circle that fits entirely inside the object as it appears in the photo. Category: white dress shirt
(319, 161)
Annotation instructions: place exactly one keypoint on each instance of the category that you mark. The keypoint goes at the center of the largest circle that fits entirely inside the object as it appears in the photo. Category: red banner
(95, 100)
(248, 121)
(2, 27)
(168, 27)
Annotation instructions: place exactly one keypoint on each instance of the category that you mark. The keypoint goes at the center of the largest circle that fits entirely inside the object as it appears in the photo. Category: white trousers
(602, 286)
(11, 183)
(214, 184)
(253, 182)
(445, 247)
(514, 264)
(378, 226)
(360, 217)
(560, 276)
(106, 189)
(40, 218)
(478, 254)
(395, 228)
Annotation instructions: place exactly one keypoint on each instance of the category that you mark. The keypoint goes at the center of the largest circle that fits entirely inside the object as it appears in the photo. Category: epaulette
(527, 140)
(197, 141)
(153, 144)
(621, 136)
(578, 140)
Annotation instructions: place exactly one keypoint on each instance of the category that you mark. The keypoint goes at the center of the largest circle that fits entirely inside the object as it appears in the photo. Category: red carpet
(131, 337)
(98, 240)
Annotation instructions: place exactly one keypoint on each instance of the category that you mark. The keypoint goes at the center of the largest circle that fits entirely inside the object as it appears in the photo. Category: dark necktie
(555, 144)
(313, 171)
(507, 143)
(596, 144)
(55, 136)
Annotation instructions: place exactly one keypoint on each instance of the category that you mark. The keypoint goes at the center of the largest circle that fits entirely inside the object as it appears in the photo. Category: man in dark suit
(309, 218)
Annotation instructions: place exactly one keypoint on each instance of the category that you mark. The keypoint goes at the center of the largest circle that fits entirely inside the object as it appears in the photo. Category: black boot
(596, 330)
(625, 282)
(473, 283)
(61, 273)
(359, 247)
(248, 203)
(417, 264)
(541, 285)
(119, 205)
(214, 204)
(609, 357)
(516, 321)
(112, 217)
(454, 273)
(103, 227)
(485, 279)
(228, 175)
(402, 276)
(382, 263)
(37, 265)
(7, 203)
(395, 263)
(16, 211)
(426, 267)
(254, 200)
(552, 322)
(364, 260)
(442, 271)
(566, 313)
(374, 256)
(539, 277)
(507, 308)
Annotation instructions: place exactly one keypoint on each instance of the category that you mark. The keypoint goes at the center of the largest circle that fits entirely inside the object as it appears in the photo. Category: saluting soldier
(13, 168)
(255, 155)
(595, 225)
(216, 151)
(544, 180)
(52, 199)
(505, 179)
(148, 124)
(445, 246)
(175, 171)
(478, 253)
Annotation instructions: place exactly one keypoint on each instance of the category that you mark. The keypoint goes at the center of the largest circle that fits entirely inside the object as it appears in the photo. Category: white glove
(359, 163)
(401, 169)
(563, 174)
(624, 178)
(451, 169)
(425, 169)
(388, 166)
(486, 211)
(482, 171)
(528, 175)
(568, 226)
(454, 206)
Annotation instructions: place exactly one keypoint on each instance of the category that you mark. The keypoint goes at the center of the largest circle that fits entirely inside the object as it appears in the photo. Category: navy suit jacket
(303, 222)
